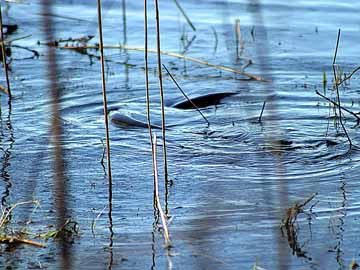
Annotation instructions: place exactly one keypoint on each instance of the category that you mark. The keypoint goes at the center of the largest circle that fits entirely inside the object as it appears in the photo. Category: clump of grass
(6, 212)
(68, 231)
(10, 236)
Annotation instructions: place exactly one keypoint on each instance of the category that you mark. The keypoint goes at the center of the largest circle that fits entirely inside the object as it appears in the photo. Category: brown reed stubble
(4, 55)
(60, 188)
(106, 121)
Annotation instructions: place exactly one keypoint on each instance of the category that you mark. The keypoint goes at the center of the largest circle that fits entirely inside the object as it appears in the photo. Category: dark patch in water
(202, 101)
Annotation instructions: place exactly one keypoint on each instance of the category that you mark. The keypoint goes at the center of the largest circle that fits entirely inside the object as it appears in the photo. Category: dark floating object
(202, 101)
(330, 142)
(10, 28)
(126, 119)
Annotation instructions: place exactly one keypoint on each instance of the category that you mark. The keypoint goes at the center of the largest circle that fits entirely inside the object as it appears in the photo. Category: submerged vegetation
(10, 234)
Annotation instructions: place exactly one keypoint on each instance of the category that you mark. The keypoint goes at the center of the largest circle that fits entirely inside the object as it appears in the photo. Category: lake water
(231, 182)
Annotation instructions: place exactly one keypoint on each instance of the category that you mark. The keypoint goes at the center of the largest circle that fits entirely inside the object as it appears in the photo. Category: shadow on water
(111, 236)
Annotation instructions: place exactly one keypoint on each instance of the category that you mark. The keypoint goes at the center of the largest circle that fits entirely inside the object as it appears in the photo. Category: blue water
(231, 182)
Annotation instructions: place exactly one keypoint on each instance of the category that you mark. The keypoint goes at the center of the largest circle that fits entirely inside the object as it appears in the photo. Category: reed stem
(176, 55)
(157, 197)
(337, 90)
(262, 111)
(185, 16)
(106, 120)
(148, 116)
(186, 96)
(161, 94)
(337, 105)
(3, 51)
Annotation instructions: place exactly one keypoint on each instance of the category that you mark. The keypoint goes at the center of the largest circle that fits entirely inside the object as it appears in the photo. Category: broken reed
(3, 51)
(157, 196)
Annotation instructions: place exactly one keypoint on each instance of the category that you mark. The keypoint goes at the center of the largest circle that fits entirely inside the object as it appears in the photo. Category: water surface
(232, 182)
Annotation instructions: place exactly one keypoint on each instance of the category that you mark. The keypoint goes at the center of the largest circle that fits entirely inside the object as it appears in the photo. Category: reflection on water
(231, 182)
(7, 146)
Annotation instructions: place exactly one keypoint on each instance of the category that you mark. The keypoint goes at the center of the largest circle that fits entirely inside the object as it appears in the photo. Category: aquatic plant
(12, 236)
(68, 231)
(336, 82)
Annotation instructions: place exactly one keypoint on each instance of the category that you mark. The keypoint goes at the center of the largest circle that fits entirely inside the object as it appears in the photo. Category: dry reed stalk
(176, 55)
(337, 90)
(103, 81)
(157, 197)
(17, 240)
(3, 51)
(5, 213)
(186, 96)
(163, 124)
(147, 76)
